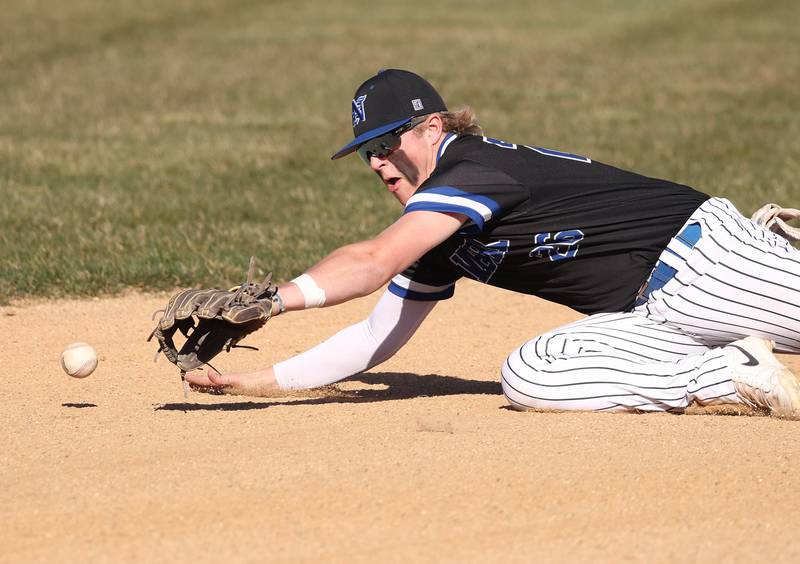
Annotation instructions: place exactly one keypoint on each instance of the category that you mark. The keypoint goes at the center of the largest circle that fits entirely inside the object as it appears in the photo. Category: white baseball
(79, 360)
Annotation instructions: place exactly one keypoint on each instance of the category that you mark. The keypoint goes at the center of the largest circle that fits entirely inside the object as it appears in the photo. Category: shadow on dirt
(396, 386)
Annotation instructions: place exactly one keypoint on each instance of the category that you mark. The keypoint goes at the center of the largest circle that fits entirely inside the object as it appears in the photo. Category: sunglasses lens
(379, 147)
(383, 146)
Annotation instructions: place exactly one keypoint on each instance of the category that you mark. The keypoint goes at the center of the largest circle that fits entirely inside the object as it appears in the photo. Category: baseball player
(685, 298)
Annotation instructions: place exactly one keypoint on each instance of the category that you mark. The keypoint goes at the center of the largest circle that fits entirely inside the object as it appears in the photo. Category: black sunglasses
(383, 145)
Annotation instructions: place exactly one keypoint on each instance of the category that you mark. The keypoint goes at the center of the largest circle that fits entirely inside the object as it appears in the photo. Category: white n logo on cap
(359, 113)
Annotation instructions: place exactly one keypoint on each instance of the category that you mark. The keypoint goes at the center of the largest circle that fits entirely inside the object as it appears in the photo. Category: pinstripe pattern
(738, 280)
(615, 362)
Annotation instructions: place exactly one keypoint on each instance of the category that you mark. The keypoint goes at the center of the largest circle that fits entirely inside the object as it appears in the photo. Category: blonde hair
(462, 122)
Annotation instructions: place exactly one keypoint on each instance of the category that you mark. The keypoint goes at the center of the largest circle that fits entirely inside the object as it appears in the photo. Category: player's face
(411, 163)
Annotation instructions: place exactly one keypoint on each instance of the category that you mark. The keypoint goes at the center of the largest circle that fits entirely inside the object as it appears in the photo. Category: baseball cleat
(761, 381)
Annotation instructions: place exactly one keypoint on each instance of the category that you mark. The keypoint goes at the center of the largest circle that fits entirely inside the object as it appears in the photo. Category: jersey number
(559, 246)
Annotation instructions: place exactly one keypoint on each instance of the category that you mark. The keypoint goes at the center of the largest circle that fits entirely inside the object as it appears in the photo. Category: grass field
(160, 144)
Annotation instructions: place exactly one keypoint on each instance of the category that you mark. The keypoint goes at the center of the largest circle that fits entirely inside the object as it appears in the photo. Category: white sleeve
(356, 348)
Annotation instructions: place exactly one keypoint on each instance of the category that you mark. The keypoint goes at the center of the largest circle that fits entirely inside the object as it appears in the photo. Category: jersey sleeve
(431, 278)
(481, 193)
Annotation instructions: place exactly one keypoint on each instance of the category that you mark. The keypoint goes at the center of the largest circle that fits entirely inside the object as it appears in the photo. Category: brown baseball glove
(212, 320)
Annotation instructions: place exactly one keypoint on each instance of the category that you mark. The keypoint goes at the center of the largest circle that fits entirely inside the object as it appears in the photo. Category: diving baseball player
(685, 298)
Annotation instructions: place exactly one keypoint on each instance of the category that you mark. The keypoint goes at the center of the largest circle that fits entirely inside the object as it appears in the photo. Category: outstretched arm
(349, 272)
(356, 348)
(359, 269)
(352, 350)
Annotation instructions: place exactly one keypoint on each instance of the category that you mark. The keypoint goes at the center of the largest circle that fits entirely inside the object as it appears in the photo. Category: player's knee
(518, 379)
(510, 398)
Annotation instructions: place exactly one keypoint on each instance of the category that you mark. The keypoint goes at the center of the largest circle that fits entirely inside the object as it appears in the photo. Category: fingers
(198, 379)
(209, 383)
(258, 383)
(218, 379)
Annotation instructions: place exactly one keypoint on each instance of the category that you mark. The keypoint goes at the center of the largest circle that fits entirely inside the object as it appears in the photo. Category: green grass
(160, 144)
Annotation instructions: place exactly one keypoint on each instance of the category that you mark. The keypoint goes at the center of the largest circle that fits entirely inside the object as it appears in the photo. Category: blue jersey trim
(421, 296)
(443, 145)
(476, 218)
(452, 191)
(471, 229)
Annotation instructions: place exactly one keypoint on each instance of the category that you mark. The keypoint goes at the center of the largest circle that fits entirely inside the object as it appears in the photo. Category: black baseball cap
(389, 100)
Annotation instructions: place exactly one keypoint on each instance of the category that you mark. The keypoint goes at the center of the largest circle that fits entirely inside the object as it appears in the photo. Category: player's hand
(257, 383)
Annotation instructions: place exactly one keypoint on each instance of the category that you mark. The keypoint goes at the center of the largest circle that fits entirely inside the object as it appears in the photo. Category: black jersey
(542, 222)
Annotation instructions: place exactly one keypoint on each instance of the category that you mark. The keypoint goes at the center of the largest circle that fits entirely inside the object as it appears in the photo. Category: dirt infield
(417, 460)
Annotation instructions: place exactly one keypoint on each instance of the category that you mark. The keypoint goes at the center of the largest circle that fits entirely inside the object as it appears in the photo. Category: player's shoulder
(465, 162)
(484, 149)
(462, 148)
(483, 153)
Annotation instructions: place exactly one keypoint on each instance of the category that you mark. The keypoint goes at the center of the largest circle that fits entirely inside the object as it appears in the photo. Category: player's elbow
(368, 267)
(379, 265)
(379, 271)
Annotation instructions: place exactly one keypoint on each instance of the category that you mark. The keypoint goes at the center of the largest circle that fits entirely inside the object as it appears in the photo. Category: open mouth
(391, 183)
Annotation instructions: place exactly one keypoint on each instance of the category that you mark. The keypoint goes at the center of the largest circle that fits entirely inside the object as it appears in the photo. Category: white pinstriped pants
(738, 280)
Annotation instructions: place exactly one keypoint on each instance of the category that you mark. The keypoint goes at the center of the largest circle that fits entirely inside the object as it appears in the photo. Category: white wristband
(313, 294)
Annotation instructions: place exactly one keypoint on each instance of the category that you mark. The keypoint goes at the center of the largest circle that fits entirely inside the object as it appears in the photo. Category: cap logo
(417, 103)
(359, 113)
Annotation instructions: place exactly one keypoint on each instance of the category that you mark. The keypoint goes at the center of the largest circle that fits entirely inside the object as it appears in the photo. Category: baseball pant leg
(616, 362)
(739, 280)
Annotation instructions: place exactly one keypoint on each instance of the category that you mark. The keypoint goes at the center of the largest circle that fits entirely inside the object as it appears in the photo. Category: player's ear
(434, 126)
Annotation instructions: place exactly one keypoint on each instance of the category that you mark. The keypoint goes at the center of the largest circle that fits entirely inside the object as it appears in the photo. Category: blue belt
(663, 273)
